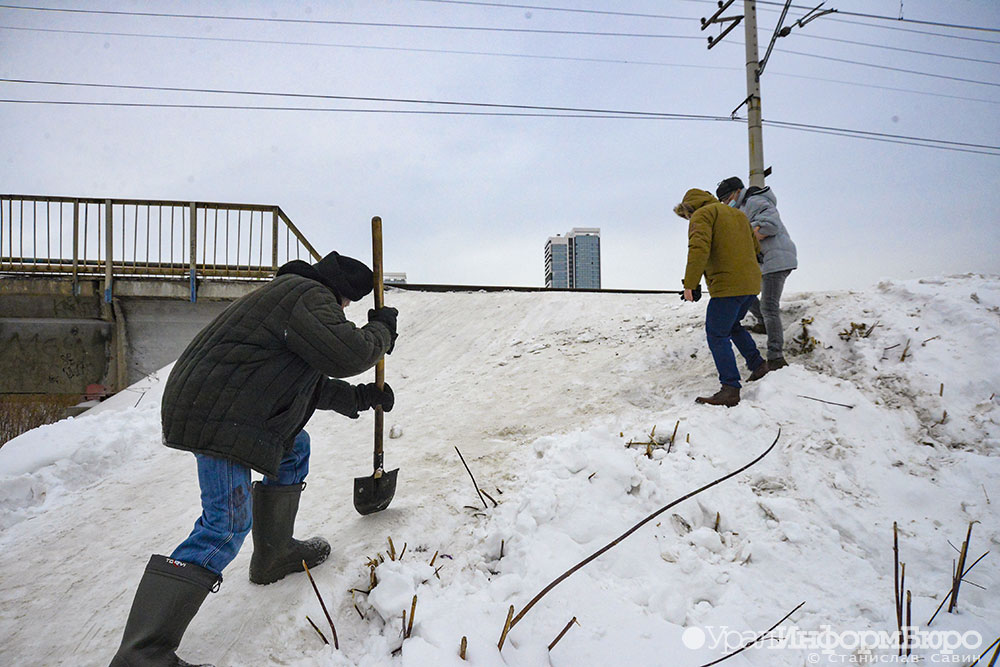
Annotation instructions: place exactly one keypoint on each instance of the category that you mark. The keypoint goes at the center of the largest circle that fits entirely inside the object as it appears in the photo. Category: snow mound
(575, 414)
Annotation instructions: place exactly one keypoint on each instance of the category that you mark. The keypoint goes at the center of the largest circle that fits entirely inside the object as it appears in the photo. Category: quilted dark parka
(251, 379)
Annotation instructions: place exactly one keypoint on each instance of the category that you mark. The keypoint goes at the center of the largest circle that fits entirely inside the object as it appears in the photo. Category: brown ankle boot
(727, 396)
(775, 364)
(759, 372)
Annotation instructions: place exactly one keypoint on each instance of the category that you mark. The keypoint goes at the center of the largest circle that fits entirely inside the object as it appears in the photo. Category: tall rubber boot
(169, 595)
(275, 552)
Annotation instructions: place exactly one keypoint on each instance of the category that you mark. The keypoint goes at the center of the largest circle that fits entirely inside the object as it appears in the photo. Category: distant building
(398, 278)
(574, 261)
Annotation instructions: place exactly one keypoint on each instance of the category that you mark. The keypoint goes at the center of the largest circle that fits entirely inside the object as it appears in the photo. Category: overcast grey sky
(473, 198)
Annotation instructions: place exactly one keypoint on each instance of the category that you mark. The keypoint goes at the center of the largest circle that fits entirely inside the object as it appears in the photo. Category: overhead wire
(467, 52)
(893, 18)
(367, 24)
(494, 109)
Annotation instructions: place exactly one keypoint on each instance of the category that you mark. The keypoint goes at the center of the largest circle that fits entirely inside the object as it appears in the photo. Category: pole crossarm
(717, 17)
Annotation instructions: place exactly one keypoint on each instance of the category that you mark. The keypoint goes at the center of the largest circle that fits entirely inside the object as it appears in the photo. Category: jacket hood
(754, 191)
(696, 198)
(344, 276)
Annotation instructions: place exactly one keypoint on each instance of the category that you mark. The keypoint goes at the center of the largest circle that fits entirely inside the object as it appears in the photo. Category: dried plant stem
(961, 568)
(895, 571)
(336, 643)
(754, 641)
(433, 558)
(392, 550)
(902, 626)
(472, 476)
(495, 503)
(996, 642)
(908, 616)
(506, 628)
(318, 631)
(403, 551)
(673, 436)
(947, 596)
(413, 612)
(906, 350)
(462, 647)
(562, 577)
(564, 631)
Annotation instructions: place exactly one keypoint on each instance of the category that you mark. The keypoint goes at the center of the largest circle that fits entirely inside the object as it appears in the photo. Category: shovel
(374, 493)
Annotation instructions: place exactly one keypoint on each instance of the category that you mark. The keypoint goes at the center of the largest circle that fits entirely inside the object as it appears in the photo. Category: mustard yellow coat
(721, 246)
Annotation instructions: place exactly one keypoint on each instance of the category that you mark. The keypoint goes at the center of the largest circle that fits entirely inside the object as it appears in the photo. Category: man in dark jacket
(722, 247)
(778, 258)
(238, 398)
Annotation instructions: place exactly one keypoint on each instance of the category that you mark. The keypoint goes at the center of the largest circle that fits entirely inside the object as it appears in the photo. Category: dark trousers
(723, 328)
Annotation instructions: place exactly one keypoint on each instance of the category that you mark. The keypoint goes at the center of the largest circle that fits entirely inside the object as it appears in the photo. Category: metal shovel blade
(373, 494)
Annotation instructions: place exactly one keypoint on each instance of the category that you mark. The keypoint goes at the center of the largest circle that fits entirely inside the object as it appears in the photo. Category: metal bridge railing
(90, 237)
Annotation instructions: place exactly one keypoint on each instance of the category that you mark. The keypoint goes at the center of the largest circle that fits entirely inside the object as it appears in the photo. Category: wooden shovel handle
(380, 366)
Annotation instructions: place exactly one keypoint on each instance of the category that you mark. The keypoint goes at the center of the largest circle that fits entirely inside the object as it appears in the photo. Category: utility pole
(755, 67)
(754, 125)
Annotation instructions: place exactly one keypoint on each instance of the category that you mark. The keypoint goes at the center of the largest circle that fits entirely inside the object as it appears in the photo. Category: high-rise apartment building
(574, 261)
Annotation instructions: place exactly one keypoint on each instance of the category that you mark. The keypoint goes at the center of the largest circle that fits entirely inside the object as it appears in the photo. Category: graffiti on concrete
(53, 357)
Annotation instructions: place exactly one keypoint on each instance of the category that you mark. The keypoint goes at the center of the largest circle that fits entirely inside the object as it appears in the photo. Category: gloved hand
(386, 316)
(370, 396)
(695, 293)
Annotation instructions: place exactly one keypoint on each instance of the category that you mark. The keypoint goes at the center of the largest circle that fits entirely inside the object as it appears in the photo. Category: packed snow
(888, 413)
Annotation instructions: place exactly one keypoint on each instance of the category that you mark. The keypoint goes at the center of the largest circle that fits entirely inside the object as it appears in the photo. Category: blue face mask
(733, 203)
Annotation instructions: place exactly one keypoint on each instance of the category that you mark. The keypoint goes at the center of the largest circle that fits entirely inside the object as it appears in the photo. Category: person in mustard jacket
(723, 248)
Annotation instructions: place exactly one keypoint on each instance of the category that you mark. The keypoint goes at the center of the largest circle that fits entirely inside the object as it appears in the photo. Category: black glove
(370, 396)
(386, 316)
(695, 293)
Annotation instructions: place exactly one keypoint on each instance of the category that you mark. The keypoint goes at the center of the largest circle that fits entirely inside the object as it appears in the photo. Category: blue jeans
(722, 326)
(226, 512)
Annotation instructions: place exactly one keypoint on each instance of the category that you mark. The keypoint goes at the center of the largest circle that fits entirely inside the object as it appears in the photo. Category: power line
(897, 48)
(411, 49)
(893, 18)
(356, 98)
(561, 9)
(853, 134)
(875, 25)
(108, 33)
(892, 69)
(616, 61)
(218, 17)
(368, 24)
(428, 112)
(496, 110)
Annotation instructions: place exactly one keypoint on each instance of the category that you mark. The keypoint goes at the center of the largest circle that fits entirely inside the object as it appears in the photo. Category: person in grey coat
(238, 398)
(778, 258)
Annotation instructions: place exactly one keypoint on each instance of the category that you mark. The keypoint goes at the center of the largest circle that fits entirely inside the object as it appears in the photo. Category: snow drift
(541, 393)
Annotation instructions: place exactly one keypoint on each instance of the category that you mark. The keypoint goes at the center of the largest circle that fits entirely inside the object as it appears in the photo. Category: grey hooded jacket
(777, 249)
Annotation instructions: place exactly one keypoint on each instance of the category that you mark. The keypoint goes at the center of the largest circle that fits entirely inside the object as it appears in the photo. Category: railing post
(109, 245)
(76, 246)
(194, 252)
(274, 241)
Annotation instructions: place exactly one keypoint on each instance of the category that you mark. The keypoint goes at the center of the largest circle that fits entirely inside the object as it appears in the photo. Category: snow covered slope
(540, 392)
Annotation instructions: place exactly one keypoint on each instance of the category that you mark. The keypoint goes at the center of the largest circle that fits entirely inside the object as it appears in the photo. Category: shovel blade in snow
(374, 493)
